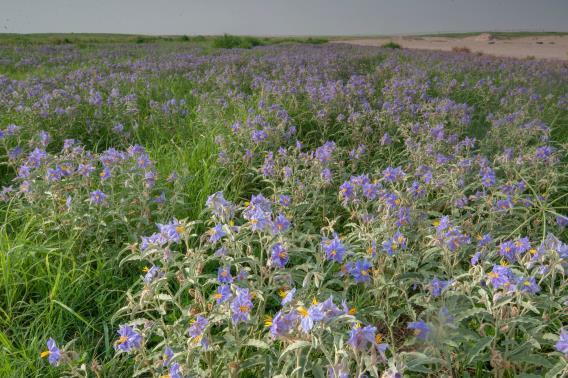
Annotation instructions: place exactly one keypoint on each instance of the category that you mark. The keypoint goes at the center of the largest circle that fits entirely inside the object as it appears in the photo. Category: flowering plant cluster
(378, 213)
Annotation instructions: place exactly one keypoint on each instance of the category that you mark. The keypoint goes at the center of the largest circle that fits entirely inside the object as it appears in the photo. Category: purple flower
(279, 255)
(220, 207)
(484, 240)
(391, 174)
(527, 285)
(224, 274)
(217, 233)
(287, 296)
(98, 197)
(223, 294)
(437, 286)
(475, 258)
(522, 245)
(241, 307)
(562, 221)
(129, 339)
(85, 169)
(281, 224)
(504, 204)
(151, 274)
(347, 191)
(258, 219)
(361, 271)
(168, 354)
(362, 338)
(329, 310)
(175, 371)
(52, 353)
(562, 344)
(421, 329)
(323, 153)
(280, 324)
(198, 327)
(333, 248)
(105, 174)
(370, 191)
(395, 244)
(35, 157)
(487, 177)
(326, 175)
(507, 250)
(309, 316)
(500, 276)
(284, 200)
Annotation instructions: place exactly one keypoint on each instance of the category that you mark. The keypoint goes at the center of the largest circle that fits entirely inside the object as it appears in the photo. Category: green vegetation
(391, 45)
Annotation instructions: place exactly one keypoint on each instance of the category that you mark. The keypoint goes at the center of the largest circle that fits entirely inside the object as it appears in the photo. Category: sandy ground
(544, 47)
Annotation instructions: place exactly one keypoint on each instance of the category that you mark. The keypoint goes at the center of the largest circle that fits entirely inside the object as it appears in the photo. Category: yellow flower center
(303, 311)
(268, 321)
(352, 311)
(122, 340)
(44, 354)
(244, 308)
(379, 338)
(283, 293)
(180, 229)
(493, 274)
(315, 301)
(145, 269)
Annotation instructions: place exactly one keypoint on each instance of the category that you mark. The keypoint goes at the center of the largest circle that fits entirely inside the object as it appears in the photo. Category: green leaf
(479, 347)
(557, 369)
(257, 344)
(471, 312)
(297, 345)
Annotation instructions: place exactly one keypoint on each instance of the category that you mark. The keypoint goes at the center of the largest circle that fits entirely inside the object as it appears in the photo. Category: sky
(281, 17)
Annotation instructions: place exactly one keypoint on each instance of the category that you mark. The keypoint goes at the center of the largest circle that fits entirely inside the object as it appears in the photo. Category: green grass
(84, 40)
(67, 286)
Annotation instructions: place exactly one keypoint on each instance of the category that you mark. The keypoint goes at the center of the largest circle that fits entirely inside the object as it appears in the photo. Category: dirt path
(541, 47)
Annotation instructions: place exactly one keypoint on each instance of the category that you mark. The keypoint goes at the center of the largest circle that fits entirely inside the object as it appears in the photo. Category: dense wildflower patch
(383, 212)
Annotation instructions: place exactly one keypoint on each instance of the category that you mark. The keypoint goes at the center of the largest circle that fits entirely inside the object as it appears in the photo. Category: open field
(516, 45)
(283, 208)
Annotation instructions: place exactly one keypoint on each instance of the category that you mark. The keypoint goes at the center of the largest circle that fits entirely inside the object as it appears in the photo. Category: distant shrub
(228, 41)
(184, 38)
(141, 40)
(461, 49)
(391, 45)
(316, 41)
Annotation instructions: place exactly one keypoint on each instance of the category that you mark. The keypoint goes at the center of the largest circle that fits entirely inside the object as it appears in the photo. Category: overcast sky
(280, 17)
